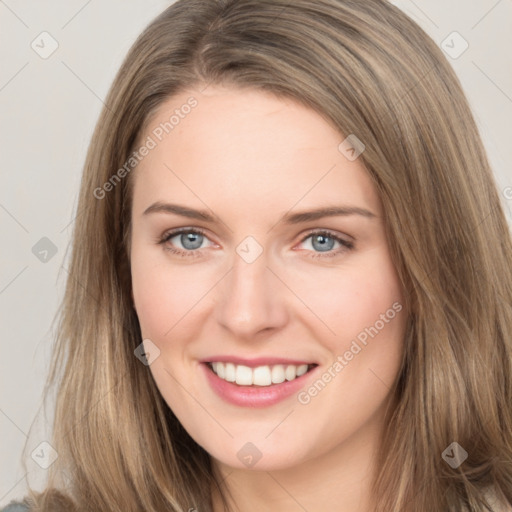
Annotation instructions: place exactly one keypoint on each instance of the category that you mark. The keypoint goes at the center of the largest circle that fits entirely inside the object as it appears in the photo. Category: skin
(249, 158)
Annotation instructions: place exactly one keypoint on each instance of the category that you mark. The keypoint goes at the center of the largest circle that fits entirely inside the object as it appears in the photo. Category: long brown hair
(370, 71)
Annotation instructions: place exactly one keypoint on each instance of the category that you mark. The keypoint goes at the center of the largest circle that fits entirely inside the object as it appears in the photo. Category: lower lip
(254, 396)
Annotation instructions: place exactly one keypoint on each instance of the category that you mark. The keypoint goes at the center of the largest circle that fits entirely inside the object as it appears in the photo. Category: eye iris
(326, 243)
(191, 240)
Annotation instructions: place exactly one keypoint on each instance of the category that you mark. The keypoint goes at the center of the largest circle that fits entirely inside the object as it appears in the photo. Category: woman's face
(274, 261)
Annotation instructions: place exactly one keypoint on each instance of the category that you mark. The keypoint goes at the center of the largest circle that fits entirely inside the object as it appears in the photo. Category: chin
(260, 455)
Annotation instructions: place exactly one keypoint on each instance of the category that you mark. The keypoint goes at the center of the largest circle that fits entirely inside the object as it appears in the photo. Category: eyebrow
(288, 218)
(177, 209)
(330, 211)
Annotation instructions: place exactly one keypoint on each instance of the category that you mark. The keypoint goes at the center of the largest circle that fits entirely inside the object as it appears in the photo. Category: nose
(251, 299)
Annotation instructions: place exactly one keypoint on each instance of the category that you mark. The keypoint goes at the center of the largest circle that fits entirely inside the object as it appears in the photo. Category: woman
(290, 286)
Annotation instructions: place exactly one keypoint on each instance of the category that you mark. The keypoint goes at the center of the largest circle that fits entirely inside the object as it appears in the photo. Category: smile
(265, 375)
(255, 384)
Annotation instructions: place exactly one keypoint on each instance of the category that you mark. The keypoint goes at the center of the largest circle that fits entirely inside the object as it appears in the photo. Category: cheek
(350, 300)
(153, 299)
(369, 306)
(371, 331)
(367, 315)
(165, 293)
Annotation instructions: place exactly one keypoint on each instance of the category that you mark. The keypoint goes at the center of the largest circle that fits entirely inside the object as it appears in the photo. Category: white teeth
(259, 376)
(291, 372)
(230, 372)
(243, 375)
(278, 374)
(220, 370)
(302, 369)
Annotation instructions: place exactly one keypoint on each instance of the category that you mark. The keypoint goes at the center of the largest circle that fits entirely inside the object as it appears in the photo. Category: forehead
(246, 147)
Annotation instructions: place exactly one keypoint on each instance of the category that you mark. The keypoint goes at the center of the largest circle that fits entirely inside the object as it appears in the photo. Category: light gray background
(48, 109)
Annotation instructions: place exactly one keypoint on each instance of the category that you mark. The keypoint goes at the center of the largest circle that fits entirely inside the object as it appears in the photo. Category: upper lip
(255, 362)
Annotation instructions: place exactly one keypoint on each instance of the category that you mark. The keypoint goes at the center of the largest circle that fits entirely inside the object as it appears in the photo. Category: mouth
(259, 376)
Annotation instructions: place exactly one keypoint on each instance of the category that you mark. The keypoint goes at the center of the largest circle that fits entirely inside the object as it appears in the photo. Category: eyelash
(346, 245)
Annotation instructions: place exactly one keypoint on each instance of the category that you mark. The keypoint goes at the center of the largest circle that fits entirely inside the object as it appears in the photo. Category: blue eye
(322, 243)
(188, 242)
(191, 240)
